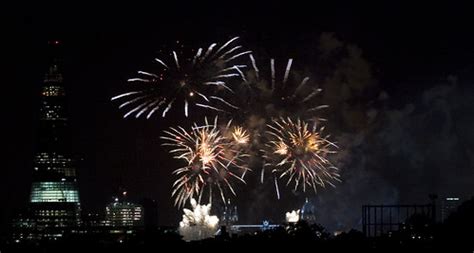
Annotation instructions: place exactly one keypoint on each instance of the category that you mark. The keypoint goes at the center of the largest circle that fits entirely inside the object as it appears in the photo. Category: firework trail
(187, 80)
(279, 93)
(299, 151)
(212, 159)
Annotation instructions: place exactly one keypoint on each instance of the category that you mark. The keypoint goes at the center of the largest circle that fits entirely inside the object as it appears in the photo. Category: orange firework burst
(299, 151)
(212, 160)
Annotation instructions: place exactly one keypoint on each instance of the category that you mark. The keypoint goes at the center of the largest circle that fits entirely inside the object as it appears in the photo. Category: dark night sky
(412, 49)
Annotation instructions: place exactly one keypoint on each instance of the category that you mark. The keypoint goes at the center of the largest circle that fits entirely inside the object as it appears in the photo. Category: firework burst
(212, 160)
(279, 93)
(238, 135)
(299, 151)
(188, 80)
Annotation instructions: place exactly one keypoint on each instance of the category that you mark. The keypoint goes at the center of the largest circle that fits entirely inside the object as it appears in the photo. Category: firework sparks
(283, 89)
(240, 135)
(190, 81)
(299, 151)
(212, 160)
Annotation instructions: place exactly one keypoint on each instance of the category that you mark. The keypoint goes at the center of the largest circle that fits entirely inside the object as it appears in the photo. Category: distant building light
(452, 199)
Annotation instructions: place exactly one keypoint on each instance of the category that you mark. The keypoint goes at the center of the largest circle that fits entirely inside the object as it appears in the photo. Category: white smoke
(198, 224)
(293, 216)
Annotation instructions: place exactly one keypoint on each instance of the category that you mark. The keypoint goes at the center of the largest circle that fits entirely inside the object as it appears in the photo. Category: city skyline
(112, 152)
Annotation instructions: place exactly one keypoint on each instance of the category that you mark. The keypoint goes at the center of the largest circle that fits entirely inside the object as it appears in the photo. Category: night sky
(418, 140)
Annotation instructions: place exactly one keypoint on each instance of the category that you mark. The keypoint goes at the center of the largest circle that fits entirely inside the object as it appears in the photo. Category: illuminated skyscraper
(54, 198)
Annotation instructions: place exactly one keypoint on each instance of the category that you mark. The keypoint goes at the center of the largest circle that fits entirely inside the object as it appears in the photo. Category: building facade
(54, 205)
(448, 206)
(122, 213)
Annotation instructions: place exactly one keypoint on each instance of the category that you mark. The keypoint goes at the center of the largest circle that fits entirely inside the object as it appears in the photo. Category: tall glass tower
(54, 198)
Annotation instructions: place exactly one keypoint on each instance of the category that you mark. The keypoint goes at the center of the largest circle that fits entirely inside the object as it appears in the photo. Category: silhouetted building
(448, 206)
(381, 220)
(150, 213)
(308, 212)
(229, 215)
(92, 220)
(54, 206)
